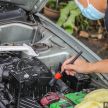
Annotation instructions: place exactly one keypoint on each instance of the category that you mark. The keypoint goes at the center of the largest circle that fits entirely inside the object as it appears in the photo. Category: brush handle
(76, 57)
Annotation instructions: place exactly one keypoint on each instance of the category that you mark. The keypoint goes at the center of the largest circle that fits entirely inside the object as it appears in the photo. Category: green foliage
(70, 23)
(70, 16)
(67, 17)
(63, 16)
(51, 4)
(83, 23)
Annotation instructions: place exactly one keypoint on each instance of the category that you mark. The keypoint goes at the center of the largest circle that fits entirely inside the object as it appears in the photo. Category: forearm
(99, 67)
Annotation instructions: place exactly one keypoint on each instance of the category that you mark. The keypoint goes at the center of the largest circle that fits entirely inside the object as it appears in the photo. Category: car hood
(29, 5)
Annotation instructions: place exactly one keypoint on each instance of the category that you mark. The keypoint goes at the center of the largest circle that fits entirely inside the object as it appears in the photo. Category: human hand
(79, 66)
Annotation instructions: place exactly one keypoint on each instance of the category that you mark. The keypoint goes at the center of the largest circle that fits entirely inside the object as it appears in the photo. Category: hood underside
(29, 5)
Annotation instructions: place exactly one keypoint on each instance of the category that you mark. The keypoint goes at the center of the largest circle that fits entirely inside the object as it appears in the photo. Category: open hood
(29, 5)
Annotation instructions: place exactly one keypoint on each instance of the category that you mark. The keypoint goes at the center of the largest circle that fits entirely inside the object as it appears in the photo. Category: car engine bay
(24, 79)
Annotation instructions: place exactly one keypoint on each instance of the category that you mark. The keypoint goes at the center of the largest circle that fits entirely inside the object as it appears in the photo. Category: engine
(25, 81)
(23, 78)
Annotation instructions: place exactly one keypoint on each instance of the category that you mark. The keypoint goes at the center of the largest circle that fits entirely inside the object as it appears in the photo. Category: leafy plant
(71, 19)
(68, 16)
